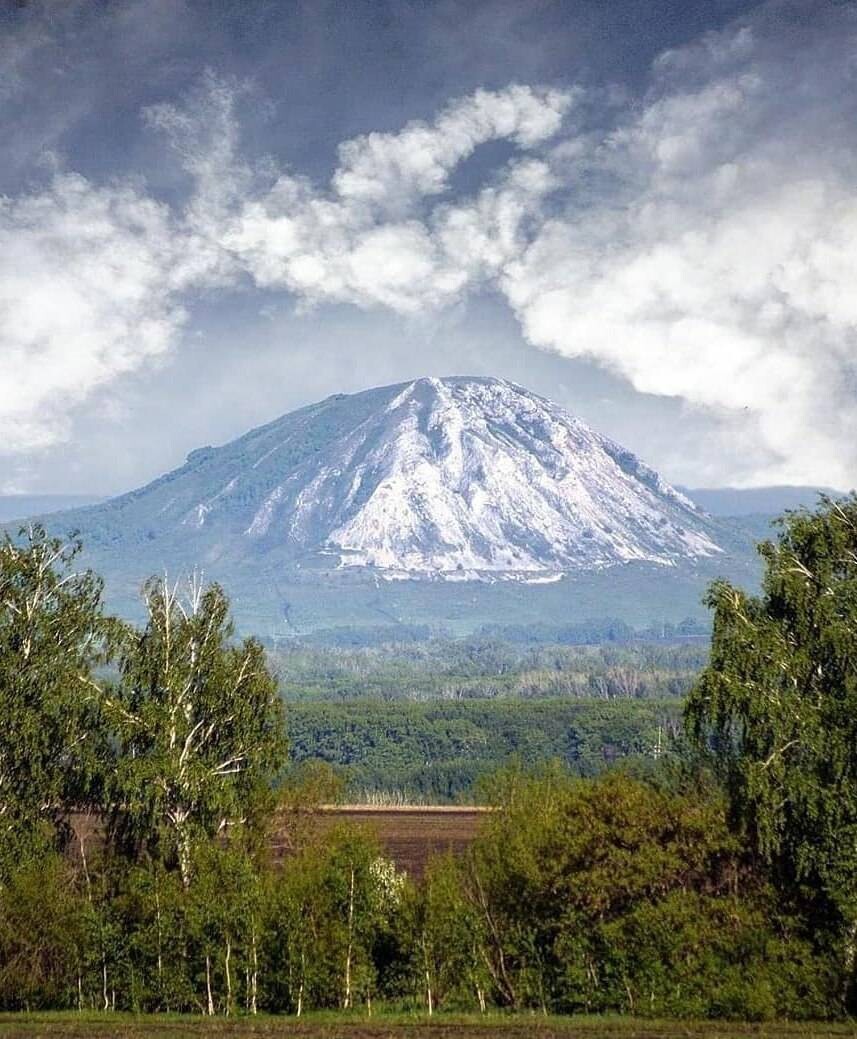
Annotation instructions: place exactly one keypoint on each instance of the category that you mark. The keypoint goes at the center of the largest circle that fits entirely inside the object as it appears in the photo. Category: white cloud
(391, 171)
(88, 292)
(719, 265)
(702, 245)
(92, 278)
(380, 236)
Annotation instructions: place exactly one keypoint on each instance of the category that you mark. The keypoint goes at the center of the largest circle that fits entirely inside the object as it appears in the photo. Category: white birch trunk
(254, 975)
(160, 941)
(227, 960)
(208, 985)
(427, 972)
(346, 1003)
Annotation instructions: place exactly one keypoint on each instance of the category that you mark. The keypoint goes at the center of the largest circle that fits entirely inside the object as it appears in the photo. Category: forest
(441, 751)
(686, 858)
(419, 716)
(488, 667)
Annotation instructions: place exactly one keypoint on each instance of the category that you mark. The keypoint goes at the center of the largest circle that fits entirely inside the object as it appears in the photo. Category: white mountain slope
(458, 477)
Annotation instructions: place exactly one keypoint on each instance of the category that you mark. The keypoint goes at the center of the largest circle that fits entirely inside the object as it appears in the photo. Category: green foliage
(333, 912)
(637, 895)
(609, 895)
(198, 722)
(43, 936)
(444, 937)
(439, 751)
(778, 705)
(52, 634)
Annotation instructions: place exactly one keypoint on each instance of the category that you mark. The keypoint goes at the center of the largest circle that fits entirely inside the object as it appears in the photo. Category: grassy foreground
(387, 1026)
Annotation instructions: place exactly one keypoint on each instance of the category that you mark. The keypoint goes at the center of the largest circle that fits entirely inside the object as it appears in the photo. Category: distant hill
(20, 506)
(765, 501)
(456, 502)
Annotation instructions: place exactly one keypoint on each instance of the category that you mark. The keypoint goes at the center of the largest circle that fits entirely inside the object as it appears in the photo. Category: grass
(392, 1026)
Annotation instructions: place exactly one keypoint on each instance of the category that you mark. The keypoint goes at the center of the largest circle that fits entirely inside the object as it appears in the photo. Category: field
(337, 1026)
(409, 835)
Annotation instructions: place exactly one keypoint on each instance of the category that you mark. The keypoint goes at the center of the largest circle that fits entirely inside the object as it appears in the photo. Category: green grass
(400, 1026)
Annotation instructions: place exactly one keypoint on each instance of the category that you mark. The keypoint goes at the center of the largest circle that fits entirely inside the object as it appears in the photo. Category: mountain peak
(456, 477)
(452, 476)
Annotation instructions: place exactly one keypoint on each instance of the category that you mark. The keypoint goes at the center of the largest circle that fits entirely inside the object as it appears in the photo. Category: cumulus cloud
(718, 264)
(88, 291)
(390, 171)
(699, 242)
(382, 234)
(93, 278)
(701, 246)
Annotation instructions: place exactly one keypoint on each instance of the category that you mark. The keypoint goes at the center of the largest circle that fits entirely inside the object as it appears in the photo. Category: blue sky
(215, 212)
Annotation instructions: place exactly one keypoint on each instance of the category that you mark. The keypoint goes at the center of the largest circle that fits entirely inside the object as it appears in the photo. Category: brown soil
(407, 835)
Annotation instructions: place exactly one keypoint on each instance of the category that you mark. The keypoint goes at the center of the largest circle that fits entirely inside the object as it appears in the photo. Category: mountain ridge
(436, 477)
(462, 481)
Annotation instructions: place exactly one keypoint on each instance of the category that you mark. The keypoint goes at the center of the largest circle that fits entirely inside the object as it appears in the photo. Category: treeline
(582, 633)
(441, 751)
(485, 668)
(141, 782)
(579, 896)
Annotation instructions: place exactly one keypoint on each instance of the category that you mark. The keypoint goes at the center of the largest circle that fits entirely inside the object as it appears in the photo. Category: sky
(212, 213)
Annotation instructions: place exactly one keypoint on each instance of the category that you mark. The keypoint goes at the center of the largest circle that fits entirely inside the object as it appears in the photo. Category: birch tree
(53, 633)
(778, 704)
(198, 721)
(445, 938)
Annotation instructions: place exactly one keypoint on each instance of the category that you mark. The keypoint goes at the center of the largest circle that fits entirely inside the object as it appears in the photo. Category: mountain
(755, 501)
(426, 485)
(440, 477)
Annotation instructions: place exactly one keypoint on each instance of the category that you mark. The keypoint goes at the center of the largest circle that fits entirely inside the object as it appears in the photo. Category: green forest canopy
(717, 882)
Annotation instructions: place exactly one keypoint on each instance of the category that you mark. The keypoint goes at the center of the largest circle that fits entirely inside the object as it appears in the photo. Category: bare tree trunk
(480, 997)
(346, 1003)
(850, 957)
(208, 985)
(183, 853)
(301, 986)
(427, 972)
(160, 943)
(254, 975)
(226, 966)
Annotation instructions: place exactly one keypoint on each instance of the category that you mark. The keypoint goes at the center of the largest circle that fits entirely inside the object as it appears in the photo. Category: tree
(53, 633)
(199, 725)
(331, 906)
(778, 705)
(224, 905)
(610, 895)
(444, 936)
(44, 941)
